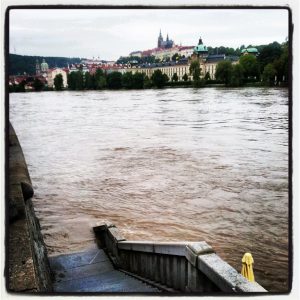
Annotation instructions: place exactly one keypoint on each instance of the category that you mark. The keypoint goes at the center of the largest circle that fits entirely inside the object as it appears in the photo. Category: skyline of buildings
(180, 67)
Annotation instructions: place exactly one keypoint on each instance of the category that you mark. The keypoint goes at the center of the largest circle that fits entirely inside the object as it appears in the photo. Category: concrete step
(73, 260)
(108, 282)
(82, 271)
(92, 271)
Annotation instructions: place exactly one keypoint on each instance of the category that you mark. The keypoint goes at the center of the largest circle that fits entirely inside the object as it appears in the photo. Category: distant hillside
(18, 64)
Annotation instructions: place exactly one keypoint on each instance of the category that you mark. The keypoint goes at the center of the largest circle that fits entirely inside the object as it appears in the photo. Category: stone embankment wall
(27, 266)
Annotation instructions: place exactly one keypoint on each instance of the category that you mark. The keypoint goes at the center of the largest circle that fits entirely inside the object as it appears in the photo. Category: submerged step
(92, 271)
(73, 260)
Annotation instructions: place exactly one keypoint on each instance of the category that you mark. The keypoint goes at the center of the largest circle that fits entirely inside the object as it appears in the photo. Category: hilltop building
(165, 49)
(41, 69)
(164, 44)
(44, 68)
(251, 51)
(201, 50)
(136, 53)
(79, 67)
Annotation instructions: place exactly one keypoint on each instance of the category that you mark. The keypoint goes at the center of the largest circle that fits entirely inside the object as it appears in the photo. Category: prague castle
(164, 44)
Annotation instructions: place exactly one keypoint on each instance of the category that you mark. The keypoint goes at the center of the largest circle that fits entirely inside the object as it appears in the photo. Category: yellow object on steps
(247, 268)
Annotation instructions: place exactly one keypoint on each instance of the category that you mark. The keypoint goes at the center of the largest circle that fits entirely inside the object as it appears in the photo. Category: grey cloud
(111, 33)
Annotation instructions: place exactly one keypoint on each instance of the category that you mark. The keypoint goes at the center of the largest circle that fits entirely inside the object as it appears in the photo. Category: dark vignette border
(183, 7)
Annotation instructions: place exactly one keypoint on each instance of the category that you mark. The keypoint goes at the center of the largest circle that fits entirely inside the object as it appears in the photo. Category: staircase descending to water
(92, 271)
(120, 266)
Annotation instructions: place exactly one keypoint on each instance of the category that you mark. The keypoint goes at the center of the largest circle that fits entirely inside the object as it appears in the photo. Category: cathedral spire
(160, 40)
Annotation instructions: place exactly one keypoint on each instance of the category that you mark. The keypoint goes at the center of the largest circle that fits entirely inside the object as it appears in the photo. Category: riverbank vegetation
(270, 68)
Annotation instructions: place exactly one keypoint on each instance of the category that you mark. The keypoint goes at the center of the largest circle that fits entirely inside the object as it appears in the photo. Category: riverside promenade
(114, 265)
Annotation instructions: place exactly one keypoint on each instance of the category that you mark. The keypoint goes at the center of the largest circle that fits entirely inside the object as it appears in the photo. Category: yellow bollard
(247, 268)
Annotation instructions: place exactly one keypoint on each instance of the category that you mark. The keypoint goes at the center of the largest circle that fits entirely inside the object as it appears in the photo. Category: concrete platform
(92, 271)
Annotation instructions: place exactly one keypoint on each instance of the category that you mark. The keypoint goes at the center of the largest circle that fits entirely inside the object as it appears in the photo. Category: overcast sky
(112, 33)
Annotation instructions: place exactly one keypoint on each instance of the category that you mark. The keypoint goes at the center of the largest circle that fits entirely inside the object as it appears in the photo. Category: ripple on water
(184, 164)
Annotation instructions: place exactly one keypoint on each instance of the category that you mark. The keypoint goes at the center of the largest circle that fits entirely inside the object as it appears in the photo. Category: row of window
(179, 70)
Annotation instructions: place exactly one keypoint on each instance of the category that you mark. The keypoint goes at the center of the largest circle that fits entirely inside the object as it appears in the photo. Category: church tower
(160, 40)
(37, 68)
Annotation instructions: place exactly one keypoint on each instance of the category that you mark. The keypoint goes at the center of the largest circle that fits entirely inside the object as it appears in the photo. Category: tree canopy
(195, 69)
(268, 75)
(58, 82)
(224, 71)
(175, 77)
(38, 85)
(250, 66)
(158, 79)
(114, 80)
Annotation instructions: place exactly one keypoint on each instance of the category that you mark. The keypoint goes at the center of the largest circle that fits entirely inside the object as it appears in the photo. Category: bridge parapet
(174, 266)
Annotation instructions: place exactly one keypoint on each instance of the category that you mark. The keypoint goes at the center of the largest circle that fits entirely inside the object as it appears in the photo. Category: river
(174, 164)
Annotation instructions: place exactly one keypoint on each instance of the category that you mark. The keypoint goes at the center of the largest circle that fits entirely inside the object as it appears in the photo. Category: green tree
(79, 80)
(138, 80)
(127, 80)
(237, 76)
(89, 81)
(250, 66)
(102, 83)
(224, 71)
(268, 75)
(166, 78)
(175, 77)
(58, 82)
(195, 69)
(207, 76)
(147, 82)
(281, 65)
(38, 85)
(158, 79)
(176, 57)
(72, 81)
(268, 53)
(185, 77)
(99, 73)
(114, 80)
(100, 80)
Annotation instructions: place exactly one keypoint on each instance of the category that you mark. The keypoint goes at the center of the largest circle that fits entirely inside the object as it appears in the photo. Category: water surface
(174, 164)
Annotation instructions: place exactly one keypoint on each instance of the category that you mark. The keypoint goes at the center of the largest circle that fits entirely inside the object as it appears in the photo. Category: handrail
(185, 266)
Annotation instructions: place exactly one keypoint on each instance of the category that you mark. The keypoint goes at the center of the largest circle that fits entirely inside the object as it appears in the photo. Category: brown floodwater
(174, 164)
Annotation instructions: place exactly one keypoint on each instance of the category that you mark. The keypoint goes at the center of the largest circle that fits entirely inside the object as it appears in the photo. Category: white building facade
(53, 72)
